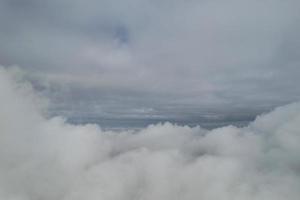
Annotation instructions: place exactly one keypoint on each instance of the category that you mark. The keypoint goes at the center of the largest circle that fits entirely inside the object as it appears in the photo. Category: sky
(155, 59)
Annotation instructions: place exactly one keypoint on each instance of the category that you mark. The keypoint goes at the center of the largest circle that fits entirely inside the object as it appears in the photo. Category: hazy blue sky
(155, 58)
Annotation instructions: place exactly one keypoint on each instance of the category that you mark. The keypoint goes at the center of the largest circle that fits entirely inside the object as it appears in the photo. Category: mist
(155, 59)
(48, 158)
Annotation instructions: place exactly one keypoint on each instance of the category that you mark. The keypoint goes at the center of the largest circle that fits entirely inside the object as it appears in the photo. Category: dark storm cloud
(149, 55)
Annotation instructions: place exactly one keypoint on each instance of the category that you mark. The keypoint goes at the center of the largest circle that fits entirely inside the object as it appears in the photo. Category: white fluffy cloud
(42, 158)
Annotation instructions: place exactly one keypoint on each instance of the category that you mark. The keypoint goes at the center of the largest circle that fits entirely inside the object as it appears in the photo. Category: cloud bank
(148, 55)
(47, 158)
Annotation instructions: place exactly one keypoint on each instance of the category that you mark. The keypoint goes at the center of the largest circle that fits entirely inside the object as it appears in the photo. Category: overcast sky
(155, 58)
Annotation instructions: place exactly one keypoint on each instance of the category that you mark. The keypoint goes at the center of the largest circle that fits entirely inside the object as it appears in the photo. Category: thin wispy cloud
(242, 55)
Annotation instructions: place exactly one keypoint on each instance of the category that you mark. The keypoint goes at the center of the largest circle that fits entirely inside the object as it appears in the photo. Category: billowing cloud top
(49, 159)
(139, 57)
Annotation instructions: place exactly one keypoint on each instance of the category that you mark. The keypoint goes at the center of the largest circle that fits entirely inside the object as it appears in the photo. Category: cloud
(47, 158)
(242, 55)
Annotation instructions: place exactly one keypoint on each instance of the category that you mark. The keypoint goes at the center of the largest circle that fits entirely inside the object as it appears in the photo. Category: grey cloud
(205, 54)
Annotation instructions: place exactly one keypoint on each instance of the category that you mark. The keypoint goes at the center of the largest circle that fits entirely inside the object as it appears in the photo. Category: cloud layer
(42, 158)
(147, 55)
